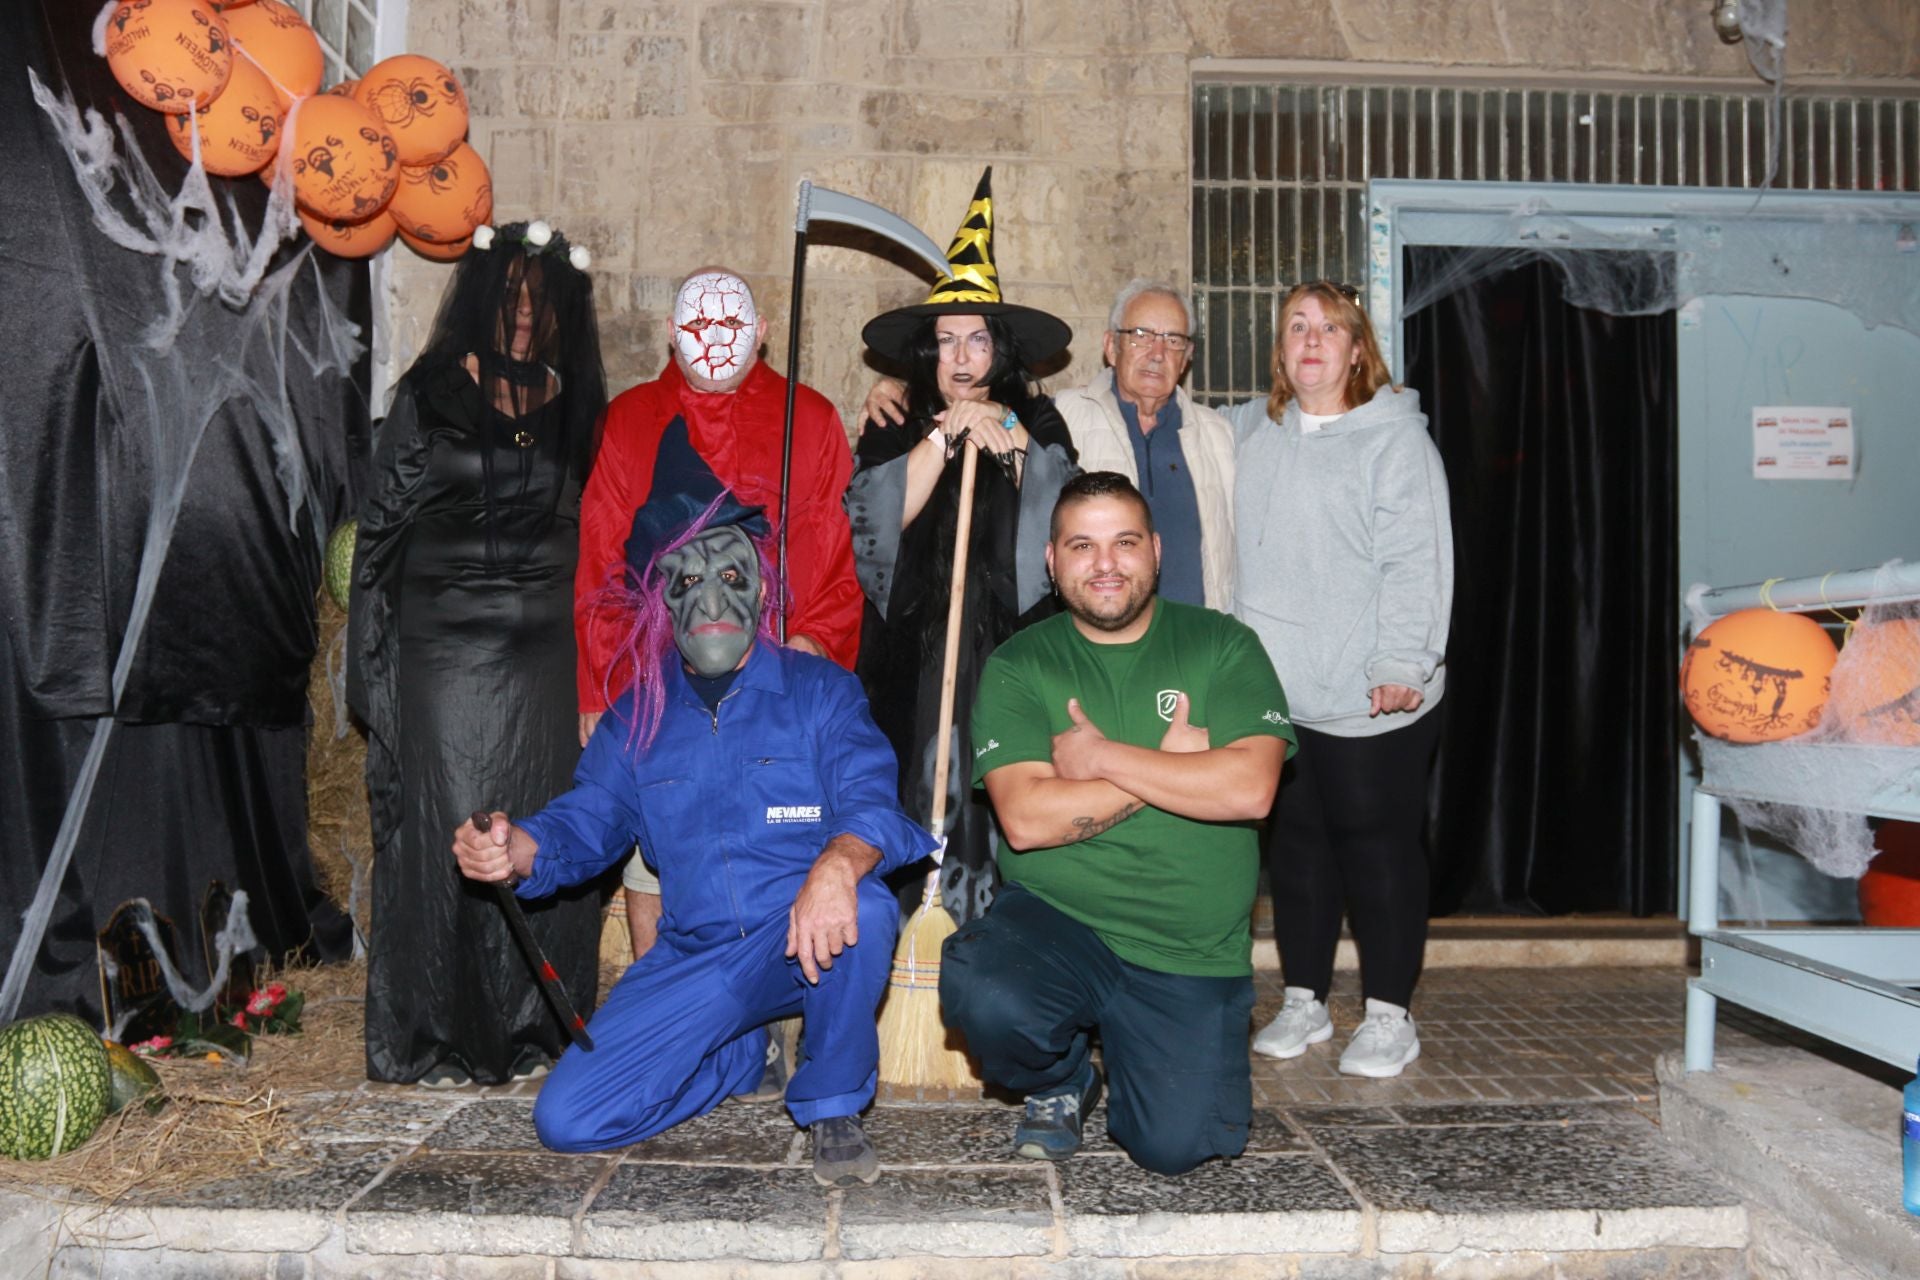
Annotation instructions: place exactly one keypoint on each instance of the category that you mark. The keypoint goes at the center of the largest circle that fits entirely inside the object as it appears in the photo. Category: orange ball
(420, 102)
(446, 200)
(350, 239)
(442, 251)
(344, 164)
(1876, 686)
(239, 132)
(1758, 675)
(279, 39)
(170, 54)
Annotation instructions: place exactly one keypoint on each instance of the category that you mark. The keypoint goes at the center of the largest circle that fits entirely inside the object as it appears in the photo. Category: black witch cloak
(905, 574)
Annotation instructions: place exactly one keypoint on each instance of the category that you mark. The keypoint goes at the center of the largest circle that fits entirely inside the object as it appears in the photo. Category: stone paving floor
(1527, 1129)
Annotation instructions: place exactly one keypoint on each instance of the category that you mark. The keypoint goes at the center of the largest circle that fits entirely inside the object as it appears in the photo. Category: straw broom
(919, 1057)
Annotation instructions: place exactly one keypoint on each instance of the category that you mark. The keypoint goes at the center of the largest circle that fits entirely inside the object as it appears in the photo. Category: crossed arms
(1093, 783)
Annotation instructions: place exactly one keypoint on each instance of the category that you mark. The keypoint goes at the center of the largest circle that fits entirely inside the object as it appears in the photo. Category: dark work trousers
(1349, 835)
(1027, 985)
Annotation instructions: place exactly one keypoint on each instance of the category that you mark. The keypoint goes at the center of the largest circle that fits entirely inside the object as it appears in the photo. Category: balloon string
(1846, 624)
(291, 97)
(1766, 593)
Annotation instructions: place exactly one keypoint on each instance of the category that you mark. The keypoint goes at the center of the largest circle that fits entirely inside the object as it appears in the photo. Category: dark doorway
(1554, 791)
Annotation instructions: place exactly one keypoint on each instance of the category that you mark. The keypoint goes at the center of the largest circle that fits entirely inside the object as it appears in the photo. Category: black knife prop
(543, 969)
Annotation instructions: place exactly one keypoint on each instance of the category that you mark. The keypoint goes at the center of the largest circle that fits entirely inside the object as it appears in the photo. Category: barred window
(349, 33)
(1280, 171)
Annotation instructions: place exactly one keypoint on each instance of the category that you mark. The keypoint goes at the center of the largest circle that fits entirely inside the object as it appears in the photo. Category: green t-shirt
(1165, 892)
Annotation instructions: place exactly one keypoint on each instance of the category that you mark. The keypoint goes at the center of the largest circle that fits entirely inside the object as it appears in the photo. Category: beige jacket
(1100, 435)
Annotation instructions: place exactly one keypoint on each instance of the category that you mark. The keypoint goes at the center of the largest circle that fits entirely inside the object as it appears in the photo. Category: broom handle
(950, 662)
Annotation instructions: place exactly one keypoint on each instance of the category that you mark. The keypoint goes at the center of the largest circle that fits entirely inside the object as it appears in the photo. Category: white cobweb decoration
(1814, 792)
(222, 333)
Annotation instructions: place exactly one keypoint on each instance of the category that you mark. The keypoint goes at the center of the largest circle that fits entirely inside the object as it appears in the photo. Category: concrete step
(405, 1183)
(1811, 1141)
(1517, 942)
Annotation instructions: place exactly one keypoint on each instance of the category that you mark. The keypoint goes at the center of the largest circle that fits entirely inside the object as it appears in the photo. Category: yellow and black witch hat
(971, 287)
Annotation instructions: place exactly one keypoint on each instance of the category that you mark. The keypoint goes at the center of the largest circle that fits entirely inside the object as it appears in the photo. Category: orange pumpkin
(344, 165)
(1758, 675)
(1876, 686)
(446, 251)
(276, 37)
(239, 132)
(172, 55)
(420, 102)
(446, 200)
(350, 239)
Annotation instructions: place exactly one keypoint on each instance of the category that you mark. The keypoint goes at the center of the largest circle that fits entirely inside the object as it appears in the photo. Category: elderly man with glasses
(1135, 418)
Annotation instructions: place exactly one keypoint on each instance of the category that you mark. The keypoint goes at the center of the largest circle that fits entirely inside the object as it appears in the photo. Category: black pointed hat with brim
(684, 486)
(971, 287)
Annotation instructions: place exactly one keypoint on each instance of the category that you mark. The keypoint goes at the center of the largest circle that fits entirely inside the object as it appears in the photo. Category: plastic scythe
(543, 970)
(819, 204)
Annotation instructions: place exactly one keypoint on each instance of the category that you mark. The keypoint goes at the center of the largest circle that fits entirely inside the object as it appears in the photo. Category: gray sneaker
(1382, 1045)
(1302, 1021)
(843, 1155)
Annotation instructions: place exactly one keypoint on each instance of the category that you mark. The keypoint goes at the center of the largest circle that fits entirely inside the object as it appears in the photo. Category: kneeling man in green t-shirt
(1127, 745)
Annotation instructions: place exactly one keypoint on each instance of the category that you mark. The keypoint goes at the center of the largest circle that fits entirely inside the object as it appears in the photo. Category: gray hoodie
(1345, 557)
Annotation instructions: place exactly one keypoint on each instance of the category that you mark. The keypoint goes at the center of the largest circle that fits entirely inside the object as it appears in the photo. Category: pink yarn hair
(645, 643)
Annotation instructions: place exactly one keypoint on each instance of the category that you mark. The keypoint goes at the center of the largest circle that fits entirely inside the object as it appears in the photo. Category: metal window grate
(347, 34)
(1280, 172)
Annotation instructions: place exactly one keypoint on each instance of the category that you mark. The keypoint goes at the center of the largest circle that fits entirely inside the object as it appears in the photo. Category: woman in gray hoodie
(1345, 570)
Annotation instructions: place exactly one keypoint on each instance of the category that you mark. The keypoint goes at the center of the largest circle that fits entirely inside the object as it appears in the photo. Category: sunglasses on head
(1352, 292)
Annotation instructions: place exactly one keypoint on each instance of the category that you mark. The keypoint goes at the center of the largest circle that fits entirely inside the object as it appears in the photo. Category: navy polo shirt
(1167, 486)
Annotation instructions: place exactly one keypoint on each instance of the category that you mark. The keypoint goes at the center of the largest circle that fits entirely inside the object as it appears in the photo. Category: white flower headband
(537, 236)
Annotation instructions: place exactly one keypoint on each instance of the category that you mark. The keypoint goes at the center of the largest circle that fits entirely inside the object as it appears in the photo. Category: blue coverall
(732, 806)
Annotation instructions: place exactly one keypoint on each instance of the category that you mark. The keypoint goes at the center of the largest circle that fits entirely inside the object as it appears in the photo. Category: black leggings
(1348, 833)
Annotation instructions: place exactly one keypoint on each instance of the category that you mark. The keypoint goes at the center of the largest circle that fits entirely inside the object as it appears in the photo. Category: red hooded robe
(739, 435)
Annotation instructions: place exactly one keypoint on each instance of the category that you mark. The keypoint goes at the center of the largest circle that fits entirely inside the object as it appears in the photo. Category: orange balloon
(1876, 686)
(446, 200)
(350, 239)
(344, 164)
(239, 132)
(279, 39)
(442, 251)
(224, 5)
(170, 54)
(1757, 675)
(420, 101)
(345, 88)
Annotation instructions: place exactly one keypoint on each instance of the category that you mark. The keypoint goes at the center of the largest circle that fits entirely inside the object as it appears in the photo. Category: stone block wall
(670, 134)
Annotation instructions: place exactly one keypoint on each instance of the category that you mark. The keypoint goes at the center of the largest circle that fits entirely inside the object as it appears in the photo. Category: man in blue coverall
(756, 777)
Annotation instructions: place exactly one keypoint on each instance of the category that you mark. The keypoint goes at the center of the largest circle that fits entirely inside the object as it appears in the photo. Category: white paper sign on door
(1802, 443)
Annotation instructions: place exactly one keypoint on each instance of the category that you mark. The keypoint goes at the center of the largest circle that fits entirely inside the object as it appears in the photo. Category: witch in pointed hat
(968, 357)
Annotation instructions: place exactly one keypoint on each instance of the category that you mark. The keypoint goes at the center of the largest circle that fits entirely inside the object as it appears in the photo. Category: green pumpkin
(133, 1077)
(340, 561)
(54, 1086)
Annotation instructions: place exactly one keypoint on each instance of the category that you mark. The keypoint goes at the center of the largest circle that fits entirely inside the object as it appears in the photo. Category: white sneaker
(1383, 1044)
(1302, 1021)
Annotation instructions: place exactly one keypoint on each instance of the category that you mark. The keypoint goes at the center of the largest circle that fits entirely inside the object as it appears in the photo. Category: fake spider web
(229, 286)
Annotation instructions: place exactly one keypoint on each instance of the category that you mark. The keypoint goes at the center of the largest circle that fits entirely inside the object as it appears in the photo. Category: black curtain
(1555, 786)
(204, 777)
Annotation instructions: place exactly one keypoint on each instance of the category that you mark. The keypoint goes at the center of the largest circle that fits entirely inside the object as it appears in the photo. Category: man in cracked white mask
(734, 407)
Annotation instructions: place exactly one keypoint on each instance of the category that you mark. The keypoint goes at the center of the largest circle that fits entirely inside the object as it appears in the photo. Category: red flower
(240, 1020)
(151, 1047)
(266, 1001)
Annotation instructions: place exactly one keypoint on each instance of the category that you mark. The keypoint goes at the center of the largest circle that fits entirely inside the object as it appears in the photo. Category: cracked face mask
(716, 330)
(713, 593)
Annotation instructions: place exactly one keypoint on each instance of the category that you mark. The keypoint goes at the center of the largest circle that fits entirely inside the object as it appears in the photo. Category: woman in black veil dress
(462, 656)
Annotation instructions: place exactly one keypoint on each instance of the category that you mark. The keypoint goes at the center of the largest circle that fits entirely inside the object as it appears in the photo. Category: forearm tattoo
(1088, 828)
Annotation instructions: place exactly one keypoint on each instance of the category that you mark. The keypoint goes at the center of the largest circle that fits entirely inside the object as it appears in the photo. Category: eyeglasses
(1140, 339)
(979, 343)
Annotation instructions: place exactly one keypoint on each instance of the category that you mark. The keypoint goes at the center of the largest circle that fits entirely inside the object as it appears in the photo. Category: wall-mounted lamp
(1726, 21)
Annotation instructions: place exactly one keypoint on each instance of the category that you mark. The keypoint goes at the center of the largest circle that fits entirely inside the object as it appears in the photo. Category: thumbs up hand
(1076, 751)
(1182, 735)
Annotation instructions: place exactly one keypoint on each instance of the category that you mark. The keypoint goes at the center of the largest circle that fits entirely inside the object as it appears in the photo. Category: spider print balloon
(420, 102)
(280, 41)
(350, 239)
(438, 202)
(239, 132)
(171, 55)
(448, 252)
(341, 159)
